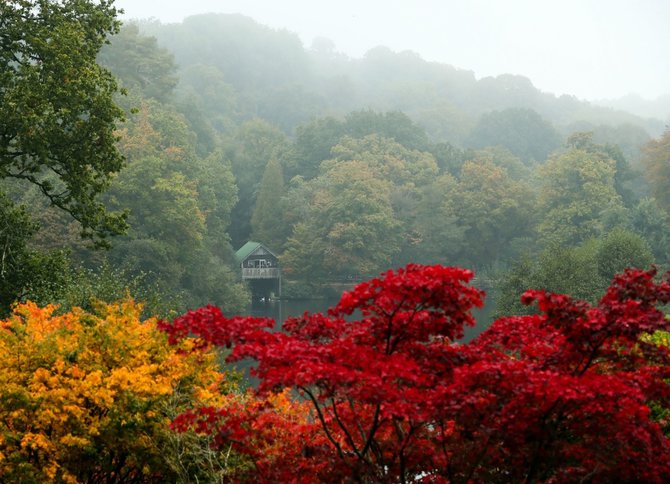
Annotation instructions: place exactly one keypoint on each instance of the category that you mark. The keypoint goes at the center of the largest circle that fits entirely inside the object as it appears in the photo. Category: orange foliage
(88, 396)
(142, 138)
(274, 431)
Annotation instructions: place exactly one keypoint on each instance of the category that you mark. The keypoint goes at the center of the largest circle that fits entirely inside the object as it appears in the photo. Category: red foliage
(563, 395)
(274, 432)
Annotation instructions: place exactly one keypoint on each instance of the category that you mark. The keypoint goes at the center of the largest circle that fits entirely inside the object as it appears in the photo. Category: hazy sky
(590, 48)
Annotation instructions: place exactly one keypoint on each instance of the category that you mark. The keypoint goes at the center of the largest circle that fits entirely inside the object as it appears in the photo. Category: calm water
(281, 310)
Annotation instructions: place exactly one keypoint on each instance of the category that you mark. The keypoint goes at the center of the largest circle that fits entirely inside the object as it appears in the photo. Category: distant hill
(658, 108)
(268, 73)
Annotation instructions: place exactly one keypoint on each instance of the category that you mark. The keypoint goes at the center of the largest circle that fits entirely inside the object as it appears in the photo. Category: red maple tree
(559, 396)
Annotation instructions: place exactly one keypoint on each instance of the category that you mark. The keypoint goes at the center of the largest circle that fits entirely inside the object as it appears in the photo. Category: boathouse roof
(248, 249)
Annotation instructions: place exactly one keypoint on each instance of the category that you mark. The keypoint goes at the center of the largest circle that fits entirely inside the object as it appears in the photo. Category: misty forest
(158, 179)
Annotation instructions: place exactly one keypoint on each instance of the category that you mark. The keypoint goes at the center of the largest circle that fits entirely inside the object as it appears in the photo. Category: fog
(593, 49)
(500, 165)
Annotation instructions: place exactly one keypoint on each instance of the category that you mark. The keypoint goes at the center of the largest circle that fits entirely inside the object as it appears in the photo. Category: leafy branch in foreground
(57, 113)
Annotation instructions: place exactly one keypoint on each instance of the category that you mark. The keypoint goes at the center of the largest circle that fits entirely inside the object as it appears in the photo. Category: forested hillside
(261, 72)
(347, 167)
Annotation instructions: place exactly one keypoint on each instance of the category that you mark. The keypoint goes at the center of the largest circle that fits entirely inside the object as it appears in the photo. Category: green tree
(165, 218)
(395, 125)
(206, 86)
(624, 176)
(350, 228)
(442, 120)
(620, 249)
(438, 233)
(653, 223)
(266, 220)
(57, 113)
(571, 270)
(303, 259)
(524, 132)
(388, 159)
(577, 190)
(313, 143)
(449, 158)
(406, 172)
(628, 137)
(255, 143)
(315, 140)
(656, 161)
(217, 195)
(180, 208)
(503, 158)
(581, 271)
(496, 209)
(24, 272)
(138, 63)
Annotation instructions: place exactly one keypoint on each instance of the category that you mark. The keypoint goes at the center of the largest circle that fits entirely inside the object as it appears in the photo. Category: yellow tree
(89, 397)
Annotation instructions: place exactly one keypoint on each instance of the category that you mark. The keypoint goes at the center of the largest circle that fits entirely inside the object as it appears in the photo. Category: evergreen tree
(266, 220)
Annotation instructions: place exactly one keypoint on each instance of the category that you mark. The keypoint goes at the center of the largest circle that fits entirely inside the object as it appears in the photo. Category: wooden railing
(260, 273)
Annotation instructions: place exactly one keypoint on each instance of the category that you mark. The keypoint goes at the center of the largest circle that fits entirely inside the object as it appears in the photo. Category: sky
(592, 49)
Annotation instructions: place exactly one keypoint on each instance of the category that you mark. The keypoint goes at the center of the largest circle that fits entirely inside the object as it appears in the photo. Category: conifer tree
(266, 220)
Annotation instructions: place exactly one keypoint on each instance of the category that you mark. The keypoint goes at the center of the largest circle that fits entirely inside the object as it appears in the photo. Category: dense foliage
(343, 168)
(57, 113)
(657, 162)
(562, 395)
(88, 396)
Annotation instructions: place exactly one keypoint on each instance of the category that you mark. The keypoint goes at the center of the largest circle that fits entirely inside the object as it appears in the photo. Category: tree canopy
(524, 132)
(57, 112)
(657, 169)
(565, 395)
(578, 188)
(86, 396)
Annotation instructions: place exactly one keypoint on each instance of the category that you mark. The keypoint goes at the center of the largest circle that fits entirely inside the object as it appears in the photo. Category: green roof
(247, 249)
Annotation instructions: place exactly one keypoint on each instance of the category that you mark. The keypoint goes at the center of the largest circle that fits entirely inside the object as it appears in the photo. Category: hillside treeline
(237, 132)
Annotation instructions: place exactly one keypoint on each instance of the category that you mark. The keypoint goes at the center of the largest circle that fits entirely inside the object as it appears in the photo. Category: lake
(281, 310)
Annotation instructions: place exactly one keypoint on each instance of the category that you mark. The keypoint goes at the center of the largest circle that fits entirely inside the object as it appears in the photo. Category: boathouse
(260, 267)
